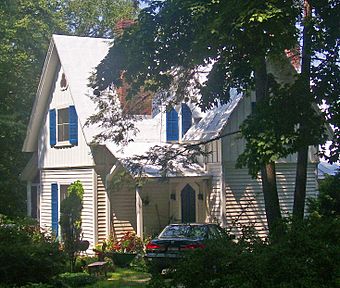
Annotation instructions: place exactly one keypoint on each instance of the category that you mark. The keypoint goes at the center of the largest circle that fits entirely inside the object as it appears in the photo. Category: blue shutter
(73, 118)
(53, 128)
(186, 118)
(172, 125)
(54, 207)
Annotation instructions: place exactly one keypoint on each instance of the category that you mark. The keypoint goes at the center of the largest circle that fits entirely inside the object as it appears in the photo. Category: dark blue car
(172, 243)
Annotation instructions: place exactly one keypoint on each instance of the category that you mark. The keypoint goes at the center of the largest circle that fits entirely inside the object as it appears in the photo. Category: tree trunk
(271, 198)
(268, 174)
(300, 184)
(302, 159)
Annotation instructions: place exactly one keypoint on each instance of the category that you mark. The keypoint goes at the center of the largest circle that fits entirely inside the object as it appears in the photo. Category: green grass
(123, 278)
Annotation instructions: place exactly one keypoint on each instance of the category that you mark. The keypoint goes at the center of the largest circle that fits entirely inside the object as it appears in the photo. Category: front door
(188, 201)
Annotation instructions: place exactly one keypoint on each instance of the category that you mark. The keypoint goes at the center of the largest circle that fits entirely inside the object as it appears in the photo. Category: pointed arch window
(172, 125)
(186, 118)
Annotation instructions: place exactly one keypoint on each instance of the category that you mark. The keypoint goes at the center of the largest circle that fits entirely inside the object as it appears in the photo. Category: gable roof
(214, 121)
(78, 56)
(325, 168)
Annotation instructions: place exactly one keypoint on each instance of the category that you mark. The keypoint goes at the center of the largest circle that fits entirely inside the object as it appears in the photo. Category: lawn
(123, 278)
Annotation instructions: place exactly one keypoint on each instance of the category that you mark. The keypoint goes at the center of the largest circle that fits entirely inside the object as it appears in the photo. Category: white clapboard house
(62, 152)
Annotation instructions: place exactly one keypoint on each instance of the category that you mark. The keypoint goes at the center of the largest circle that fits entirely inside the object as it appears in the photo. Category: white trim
(223, 218)
(42, 96)
(108, 213)
(139, 212)
(95, 207)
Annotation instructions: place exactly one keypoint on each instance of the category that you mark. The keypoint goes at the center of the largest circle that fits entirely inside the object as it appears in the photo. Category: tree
(96, 18)
(173, 41)
(327, 204)
(70, 221)
(25, 30)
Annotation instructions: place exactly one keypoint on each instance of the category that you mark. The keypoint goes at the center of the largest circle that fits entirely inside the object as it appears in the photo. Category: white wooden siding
(234, 145)
(214, 197)
(75, 156)
(66, 177)
(102, 215)
(156, 214)
(123, 212)
(244, 198)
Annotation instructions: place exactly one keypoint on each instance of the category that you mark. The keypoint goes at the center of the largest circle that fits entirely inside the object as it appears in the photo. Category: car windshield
(184, 231)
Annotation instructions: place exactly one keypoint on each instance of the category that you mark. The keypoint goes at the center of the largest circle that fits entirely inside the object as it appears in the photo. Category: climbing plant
(70, 221)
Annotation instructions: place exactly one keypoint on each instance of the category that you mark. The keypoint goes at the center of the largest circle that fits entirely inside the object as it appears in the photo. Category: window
(63, 125)
(35, 202)
(172, 125)
(63, 83)
(212, 149)
(186, 118)
(63, 192)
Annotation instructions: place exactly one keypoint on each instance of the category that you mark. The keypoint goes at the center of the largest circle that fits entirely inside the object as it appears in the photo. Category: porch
(146, 209)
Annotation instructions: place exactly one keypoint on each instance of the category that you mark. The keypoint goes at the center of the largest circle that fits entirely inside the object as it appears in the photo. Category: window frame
(65, 126)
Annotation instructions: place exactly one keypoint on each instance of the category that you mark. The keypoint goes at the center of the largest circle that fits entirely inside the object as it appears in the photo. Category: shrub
(37, 285)
(74, 280)
(27, 254)
(307, 255)
(328, 201)
(82, 262)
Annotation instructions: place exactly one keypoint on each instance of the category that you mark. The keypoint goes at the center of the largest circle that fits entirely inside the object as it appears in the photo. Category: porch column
(139, 212)
(29, 198)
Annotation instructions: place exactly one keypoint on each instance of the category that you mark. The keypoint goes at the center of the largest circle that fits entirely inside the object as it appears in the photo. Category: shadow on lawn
(124, 277)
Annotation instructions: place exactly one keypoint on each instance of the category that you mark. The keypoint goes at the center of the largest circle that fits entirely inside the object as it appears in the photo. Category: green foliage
(173, 40)
(70, 280)
(96, 18)
(70, 220)
(272, 130)
(327, 204)
(326, 68)
(82, 261)
(128, 243)
(37, 285)
(306, 256)
(27, 254)
(26, 27)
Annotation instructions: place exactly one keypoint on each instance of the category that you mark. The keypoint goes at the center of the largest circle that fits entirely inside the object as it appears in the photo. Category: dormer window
(186, 118)
(172, 125)
(175, 122)
(63, 126)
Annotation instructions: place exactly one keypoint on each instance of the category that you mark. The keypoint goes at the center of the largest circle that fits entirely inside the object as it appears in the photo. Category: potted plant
(123, 251)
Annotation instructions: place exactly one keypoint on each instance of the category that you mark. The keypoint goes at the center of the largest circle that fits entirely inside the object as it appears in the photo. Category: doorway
(188, 204)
